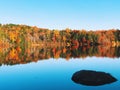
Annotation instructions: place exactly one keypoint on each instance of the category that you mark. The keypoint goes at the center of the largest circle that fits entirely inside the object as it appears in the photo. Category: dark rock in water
(92, 78)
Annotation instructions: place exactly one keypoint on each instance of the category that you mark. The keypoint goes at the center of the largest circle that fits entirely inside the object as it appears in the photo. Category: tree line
(23, 34)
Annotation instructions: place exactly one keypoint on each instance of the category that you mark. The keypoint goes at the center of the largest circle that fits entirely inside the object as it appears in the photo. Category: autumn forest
(21, 44)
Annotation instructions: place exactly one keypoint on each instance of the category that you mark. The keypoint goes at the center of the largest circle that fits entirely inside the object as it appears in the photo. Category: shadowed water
(45, 68)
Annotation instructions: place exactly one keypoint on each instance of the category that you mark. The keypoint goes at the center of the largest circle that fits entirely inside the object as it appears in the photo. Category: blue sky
(61, 14)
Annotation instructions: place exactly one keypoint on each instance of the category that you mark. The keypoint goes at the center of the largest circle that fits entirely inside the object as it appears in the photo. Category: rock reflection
(22, 55)
(92, 78)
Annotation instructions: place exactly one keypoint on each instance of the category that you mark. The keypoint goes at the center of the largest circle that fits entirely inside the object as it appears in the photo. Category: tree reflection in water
(22, 55)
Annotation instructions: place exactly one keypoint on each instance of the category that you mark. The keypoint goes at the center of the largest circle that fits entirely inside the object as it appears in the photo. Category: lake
(52, 68)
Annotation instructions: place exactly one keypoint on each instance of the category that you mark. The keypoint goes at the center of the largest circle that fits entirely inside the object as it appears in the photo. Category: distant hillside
(22, 34)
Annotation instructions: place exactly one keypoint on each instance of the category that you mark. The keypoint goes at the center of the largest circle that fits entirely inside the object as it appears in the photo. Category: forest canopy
(16, 34)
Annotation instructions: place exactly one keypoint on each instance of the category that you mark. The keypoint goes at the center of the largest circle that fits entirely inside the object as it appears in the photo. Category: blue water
(55, 74)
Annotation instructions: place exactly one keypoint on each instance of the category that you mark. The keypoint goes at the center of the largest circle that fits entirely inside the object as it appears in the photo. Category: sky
(61, 14)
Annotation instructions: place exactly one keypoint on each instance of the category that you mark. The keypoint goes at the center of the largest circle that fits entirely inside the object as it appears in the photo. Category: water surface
(55, 73)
